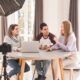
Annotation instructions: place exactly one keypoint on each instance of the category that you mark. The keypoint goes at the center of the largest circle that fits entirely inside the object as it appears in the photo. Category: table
(42, 55)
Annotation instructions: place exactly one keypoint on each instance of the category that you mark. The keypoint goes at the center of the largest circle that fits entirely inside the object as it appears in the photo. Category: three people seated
(48, 42)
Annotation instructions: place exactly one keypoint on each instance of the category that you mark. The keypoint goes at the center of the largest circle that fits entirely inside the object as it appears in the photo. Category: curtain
(3, 26)
(38, 16)
(73, 16)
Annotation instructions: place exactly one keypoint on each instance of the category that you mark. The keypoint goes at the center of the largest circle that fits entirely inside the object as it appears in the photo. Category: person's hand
(40, 47)
(18, 49)
(43, 47)
(48, 49)
(71, 56)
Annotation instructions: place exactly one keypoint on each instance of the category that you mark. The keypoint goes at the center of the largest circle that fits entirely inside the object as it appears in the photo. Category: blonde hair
(67, 29)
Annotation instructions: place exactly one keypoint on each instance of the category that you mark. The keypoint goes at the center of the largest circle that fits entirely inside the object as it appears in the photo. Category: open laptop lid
(30, 47)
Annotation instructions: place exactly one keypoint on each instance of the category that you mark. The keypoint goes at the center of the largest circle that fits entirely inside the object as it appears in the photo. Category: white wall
(50, 10)
(54, 12)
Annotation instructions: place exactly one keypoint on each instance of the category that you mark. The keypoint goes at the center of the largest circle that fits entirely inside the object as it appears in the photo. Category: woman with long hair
(14, 40)
(66, 42)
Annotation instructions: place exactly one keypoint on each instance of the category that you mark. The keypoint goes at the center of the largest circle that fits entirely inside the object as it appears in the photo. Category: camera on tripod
(4, 48)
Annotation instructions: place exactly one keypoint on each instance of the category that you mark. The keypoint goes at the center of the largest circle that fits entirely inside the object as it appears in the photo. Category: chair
(72, 68)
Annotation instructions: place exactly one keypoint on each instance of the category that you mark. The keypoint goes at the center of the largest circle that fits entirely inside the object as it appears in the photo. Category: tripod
(4, 65)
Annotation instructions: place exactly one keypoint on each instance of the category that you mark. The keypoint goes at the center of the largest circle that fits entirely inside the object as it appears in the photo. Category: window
(25, 18)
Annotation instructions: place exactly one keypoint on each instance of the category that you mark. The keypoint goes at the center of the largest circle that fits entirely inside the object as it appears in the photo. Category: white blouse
(71, 43)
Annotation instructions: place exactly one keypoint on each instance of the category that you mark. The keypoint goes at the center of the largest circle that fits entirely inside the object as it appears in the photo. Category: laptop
(30, 47)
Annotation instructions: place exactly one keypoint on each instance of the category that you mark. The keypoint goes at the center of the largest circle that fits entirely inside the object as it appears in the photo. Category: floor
(29, 75)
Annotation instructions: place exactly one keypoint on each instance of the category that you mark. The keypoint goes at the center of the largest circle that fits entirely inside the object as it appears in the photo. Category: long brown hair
(11, 28)
(67, 29)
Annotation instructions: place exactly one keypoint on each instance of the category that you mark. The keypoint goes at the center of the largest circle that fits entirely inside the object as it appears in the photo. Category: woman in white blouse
(66, 42)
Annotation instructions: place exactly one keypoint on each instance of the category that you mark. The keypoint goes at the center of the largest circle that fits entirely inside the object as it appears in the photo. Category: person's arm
(51, 37)
(55, 47)
(8, 40)
(38, 38)
(70, 44)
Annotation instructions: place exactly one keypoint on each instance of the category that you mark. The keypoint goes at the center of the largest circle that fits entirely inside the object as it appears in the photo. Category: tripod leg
(6, 77)
(4, 74)
(5, 66)
(1, 73)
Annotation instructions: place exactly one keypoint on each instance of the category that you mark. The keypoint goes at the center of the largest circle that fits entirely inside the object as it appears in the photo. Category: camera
(4, 48)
